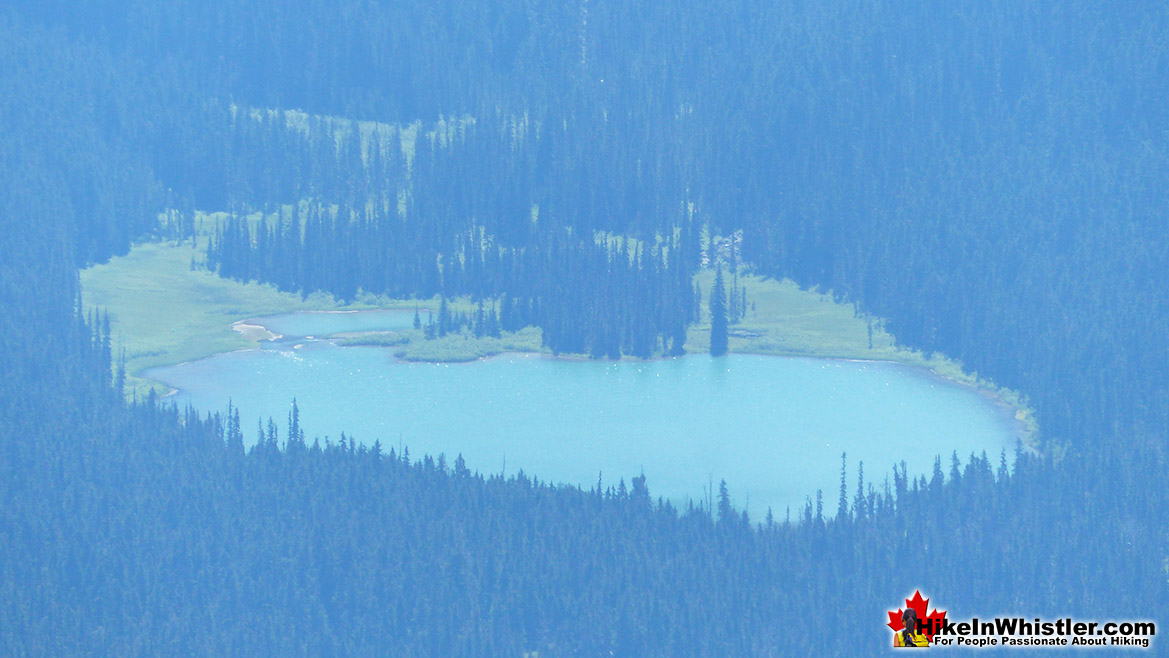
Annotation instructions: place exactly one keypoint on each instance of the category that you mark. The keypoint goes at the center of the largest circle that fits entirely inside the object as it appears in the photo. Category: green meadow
(163, 312)
(165, 309)
(455, 347)
(783, 320)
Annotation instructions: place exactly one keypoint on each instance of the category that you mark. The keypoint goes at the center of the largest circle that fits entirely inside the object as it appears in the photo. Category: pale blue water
(773, 427)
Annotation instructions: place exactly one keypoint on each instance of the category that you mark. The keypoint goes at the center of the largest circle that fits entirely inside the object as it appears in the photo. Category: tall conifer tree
(718, 316)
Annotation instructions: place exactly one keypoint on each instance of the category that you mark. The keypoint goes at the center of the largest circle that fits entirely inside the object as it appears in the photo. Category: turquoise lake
(773, 427)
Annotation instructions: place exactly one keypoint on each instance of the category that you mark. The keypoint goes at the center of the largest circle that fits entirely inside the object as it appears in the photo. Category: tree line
(988, 176)
(589, 296)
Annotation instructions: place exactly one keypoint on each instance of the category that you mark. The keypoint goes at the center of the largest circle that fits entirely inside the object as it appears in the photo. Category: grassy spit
(456, 347)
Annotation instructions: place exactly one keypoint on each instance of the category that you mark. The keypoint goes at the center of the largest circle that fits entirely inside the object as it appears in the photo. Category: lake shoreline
(256, 332)
(165, 309)
(676, 419)
(466, 349)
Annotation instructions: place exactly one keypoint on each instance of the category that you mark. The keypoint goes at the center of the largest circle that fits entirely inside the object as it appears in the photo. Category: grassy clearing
(162, 312)
(786, 321)
(380, 338)
(463, 346)
(444, 131)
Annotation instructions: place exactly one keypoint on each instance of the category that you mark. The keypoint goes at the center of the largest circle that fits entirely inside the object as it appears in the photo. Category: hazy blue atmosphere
(700, 248)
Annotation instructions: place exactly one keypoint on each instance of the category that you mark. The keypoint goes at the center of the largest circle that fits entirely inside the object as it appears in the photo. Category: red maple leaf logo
(919, 606)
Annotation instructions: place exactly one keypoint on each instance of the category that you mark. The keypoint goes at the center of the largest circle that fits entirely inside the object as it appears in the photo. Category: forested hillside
(988, 176)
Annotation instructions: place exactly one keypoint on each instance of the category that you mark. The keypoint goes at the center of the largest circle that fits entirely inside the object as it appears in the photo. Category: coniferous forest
(988, 176)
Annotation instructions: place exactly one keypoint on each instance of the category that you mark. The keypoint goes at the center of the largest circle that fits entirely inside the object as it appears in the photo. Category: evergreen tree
(842, 506)
(444, 317)
(493, 323)
(718, 316)
(696, 309)
(726, 511)
(733, 309)
(480, 321)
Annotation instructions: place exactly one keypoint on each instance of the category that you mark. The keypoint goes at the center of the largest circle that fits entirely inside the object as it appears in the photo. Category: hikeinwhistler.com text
(1001, 632)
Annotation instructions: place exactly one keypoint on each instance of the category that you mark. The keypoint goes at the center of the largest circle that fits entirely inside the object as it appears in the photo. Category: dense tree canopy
(988, 176)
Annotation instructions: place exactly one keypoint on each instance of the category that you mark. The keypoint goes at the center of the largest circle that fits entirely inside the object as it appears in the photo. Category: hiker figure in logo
(909, 636)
